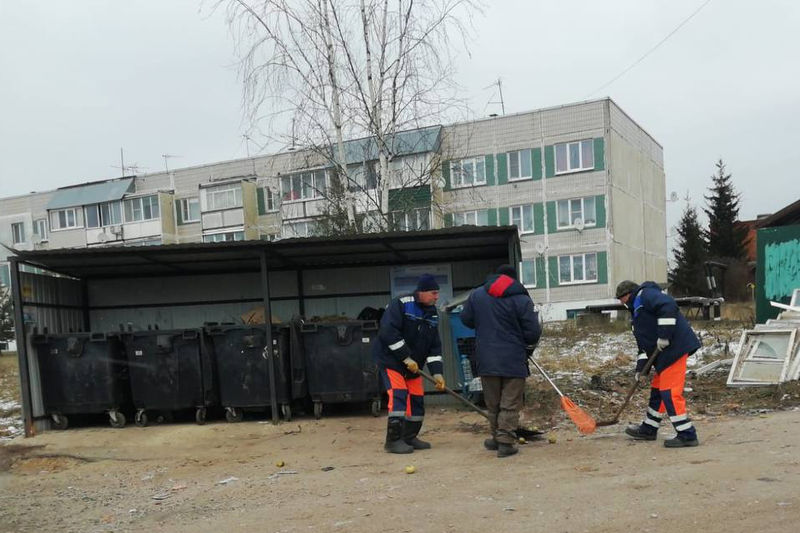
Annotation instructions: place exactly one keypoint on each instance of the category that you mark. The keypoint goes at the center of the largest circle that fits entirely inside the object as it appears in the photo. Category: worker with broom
(660, 328)
(408, 338)
(506, 323)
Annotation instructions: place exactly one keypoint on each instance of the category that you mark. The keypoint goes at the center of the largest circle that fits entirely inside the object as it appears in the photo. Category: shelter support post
(22, 348)
(301, 300)
(273, 394)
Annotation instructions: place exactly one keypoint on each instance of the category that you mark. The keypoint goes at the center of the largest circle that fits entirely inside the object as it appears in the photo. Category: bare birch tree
(319, 72)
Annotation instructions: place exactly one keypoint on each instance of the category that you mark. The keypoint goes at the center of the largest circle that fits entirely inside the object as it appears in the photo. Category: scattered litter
(281, 473)
(131, 511)
(509, 509)
(327, 468)
(342, 523)
(784, 504)
(176, 488)
(161, 496)
(653, 515)
(293, 431)
(227, 480)
(148, 476)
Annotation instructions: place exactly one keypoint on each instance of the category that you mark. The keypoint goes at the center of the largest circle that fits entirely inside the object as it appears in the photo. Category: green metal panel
(599, 154)
(602, 267)
(448, 220)
(93, 193)
(502, 169)
(178, 213)
(536, 162)
(504, 216)
(446, 174)
(552, 221)
(491, 216)
(539, 263)
(600, 210)
(777, 268)
(409, 198)
(552, 263)
(538, 219)
(262, 205)
(549, 161)
(489, 164)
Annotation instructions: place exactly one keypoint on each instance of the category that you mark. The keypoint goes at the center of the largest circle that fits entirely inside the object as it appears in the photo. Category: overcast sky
(79, 79)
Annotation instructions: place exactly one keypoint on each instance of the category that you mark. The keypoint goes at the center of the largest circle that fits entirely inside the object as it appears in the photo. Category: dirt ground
(332, 474)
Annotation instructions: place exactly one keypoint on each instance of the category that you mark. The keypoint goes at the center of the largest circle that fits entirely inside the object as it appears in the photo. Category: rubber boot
(505, 450)
(410, 432)
(490, 444)
(394, 437)
(641, 431)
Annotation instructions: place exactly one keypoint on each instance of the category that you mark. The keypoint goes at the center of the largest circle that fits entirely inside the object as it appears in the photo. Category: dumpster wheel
(375, 408)
(116, 419)
(317, 410)
(59, 421)
(233, 414)
(200, 416)
(286, 410)
(140, 419)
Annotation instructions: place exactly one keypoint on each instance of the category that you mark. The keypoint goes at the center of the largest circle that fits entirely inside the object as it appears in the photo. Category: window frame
(572, 280)
(57, 214)
(525, 282)
(40, 228)
(571, 218)
(582, 167)
(475, 214)
(18, 237)
(183, 205)
(520, 228)
(418, 214)
(299, 179)
(456, 167)
(519, 158)
(225, 234)
(309, 229)
(139, 201)
(223, 190)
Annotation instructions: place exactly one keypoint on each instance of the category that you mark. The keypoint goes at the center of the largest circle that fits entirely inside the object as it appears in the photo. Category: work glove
(662, 344)
(411, 365)
(439, 379)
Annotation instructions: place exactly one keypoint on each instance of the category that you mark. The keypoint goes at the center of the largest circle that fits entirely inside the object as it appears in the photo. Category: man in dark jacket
(505, 323)
(408, 339)
(659, 325)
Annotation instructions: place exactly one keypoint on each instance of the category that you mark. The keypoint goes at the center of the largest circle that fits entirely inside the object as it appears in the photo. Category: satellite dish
(540, 247)
(673, 196)
(102, 236)
(579, 224)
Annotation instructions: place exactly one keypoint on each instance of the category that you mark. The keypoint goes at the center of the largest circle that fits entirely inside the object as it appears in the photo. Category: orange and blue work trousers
(406, 396)
(666, 396)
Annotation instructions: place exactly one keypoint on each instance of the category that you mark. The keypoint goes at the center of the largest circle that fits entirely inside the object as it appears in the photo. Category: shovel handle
(631, 390)
(456, 395)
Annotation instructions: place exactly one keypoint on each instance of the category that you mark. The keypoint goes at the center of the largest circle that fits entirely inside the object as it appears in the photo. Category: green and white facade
(583, 182)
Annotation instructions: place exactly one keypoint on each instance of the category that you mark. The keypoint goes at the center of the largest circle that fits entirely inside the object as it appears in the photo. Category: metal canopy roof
(90, 193)
(445, 245)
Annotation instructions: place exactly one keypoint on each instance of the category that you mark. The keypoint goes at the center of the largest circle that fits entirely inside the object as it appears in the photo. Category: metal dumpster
(82, 373)
(339, 365)
(242, 364)
(170, 370)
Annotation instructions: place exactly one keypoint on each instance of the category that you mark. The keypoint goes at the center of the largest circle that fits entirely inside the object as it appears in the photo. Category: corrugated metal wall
(777, 268)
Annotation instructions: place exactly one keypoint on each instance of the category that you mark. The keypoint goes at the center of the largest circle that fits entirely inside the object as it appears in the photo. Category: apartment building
(583, 183)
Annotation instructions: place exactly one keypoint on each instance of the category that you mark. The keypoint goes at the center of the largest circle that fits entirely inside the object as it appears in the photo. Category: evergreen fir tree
(6, 315)
(724, 238)
(687, 278)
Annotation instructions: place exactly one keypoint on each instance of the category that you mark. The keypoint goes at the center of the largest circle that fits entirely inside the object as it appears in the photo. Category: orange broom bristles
(581, 418)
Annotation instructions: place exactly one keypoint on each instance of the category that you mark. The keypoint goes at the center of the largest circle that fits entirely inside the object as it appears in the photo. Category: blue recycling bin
(463, 339)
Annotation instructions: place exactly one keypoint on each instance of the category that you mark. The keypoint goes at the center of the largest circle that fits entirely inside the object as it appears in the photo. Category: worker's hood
(502, 286)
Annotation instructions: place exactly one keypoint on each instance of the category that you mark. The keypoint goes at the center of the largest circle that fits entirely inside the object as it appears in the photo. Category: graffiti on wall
(781, 269)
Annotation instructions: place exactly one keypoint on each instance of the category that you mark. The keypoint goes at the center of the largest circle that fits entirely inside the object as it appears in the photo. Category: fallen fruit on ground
(410, 469)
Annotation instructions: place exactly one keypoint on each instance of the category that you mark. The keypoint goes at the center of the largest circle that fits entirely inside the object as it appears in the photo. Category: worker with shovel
(408, 339)
(505, 323)
(663, 332)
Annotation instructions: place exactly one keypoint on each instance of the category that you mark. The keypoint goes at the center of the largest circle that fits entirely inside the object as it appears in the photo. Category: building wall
(777, 268)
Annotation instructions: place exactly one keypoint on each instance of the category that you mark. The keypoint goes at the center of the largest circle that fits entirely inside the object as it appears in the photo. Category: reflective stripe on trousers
(406, 395)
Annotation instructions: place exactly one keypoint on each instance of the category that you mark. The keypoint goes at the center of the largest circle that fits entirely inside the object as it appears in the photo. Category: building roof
(787, 216)
(443, 246)
(403, 143)
(90, 193)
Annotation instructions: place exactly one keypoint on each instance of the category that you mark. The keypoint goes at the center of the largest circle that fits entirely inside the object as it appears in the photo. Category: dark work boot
(394, 437)
(682, 441)
(410, 432)
(504, 450)
(641, 431)
(490, 444)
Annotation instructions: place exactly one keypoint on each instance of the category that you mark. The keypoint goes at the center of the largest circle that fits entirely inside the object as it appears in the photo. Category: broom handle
(545, 376)
(456, 395)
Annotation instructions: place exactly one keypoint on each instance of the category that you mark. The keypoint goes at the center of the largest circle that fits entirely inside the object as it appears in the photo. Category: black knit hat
(427, 282)
(626, 287)
(507, 270)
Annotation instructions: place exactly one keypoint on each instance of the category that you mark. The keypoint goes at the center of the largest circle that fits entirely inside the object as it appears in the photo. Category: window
(473, 218)
(40, 228)
(304, 186)
(570, 211)
(581, 268)
(5, 276)
(298, 229)
(522, 217)
(270, 200)
(101, 215)
(224, 237)
(190, 209)
(18, 232)
(64, 219)
(574, 156)
(527, 272)
(411, 220)
(519, 165)
(143, 208)
(226, 196)
(468, 172)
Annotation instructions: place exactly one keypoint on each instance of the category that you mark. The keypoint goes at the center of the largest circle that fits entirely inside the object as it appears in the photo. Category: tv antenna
(166, 160)
(499, 84)
(126, 168)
